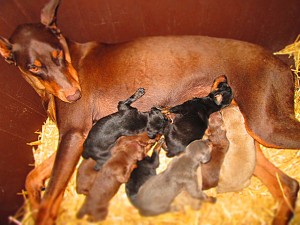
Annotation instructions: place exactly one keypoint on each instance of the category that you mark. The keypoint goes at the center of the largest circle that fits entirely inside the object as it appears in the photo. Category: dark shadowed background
(271, 23)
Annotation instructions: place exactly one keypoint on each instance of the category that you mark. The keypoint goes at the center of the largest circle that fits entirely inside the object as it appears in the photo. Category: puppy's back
(239, 162)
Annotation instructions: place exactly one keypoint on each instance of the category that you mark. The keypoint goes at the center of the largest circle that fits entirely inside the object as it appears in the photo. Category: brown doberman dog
(93, 77)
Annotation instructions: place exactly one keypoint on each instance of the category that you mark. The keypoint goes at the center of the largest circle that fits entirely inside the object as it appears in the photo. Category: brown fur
(165, 67)
(216, 133)
(101, 186)
(239, 162)
(85, 176)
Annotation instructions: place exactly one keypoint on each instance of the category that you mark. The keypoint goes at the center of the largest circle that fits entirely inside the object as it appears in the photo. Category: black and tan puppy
(145, 169)
(156, 194)
(125, 122)
(191, 117)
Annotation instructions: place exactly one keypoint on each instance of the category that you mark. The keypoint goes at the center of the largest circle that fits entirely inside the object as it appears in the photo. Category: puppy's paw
(97, 167)
(141, 91)
(211, 199)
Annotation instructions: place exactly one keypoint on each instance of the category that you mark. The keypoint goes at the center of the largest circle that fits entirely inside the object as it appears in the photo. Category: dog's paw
(211, 199)
(141, 91)
(97, 167)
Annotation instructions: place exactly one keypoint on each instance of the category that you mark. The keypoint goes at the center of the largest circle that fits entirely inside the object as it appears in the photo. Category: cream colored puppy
(239, 162)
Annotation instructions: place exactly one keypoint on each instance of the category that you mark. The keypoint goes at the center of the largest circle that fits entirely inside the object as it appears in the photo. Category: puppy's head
(221, 92)
(200, 150)
(156, 122)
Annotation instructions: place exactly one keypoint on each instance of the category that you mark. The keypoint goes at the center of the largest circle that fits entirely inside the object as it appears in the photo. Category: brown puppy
(216, 134)
(85, 176)
(233, 154)
(239, 162)
(125, 153)
(156, 194)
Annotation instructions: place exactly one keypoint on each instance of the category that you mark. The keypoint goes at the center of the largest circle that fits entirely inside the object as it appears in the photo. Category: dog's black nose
(76, 96)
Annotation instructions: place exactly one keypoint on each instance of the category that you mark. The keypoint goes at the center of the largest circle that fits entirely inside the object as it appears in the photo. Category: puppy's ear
(6, 50)
(124, 176)
(217, 81)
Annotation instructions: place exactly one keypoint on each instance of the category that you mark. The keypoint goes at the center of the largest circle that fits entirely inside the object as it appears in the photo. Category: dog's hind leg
(123, 105)
(283, 188)
(35, 181)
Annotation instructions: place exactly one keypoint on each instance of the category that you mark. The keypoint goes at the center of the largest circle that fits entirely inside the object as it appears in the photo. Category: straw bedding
(254, 205)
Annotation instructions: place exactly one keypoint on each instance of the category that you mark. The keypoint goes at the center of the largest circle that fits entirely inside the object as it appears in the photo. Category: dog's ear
(48, 14)
(48, 100)
(49, 105)
(217, 81)
(48, 18)
(124, 176)
(6, 50)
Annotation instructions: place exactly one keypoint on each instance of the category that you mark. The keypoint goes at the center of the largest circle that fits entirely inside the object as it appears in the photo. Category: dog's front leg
(67, 157)
(193, 189)
(35, 181)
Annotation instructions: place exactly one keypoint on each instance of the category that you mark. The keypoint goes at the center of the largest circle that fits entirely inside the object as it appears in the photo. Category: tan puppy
(239, 162)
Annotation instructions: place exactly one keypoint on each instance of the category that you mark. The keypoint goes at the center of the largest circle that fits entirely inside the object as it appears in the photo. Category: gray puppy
(156, 194)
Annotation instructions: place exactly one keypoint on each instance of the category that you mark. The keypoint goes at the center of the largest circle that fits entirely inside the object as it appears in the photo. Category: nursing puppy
(156, 194)
(125, 153)
(145, 169)
(126, 121)
(191, 117)
(85, 176)
(239, 162)
(216, 134)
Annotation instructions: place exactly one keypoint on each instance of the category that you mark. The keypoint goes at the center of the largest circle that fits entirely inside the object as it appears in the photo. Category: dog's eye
(34, 69)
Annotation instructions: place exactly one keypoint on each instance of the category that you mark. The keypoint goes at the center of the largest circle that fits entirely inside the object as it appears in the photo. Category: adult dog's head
(41, 53)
